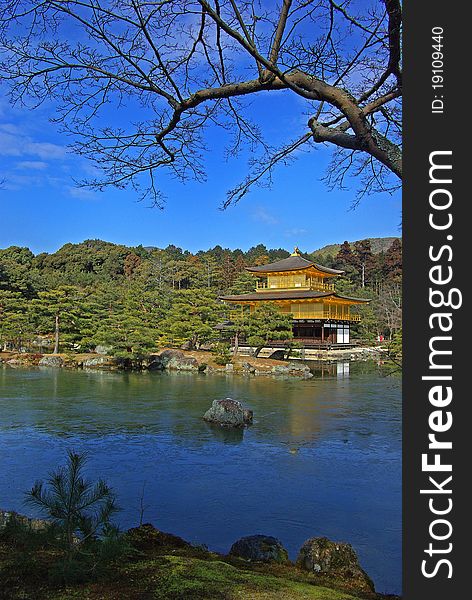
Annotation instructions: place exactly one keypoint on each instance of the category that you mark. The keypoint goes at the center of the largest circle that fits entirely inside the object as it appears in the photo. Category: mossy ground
(164, 567)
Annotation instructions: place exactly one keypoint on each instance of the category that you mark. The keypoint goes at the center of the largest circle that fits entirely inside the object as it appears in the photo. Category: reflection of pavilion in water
(309, 418)
(297, 412)
(338, 369)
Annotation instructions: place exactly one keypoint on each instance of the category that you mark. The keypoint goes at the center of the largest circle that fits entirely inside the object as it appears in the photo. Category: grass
(181, 578)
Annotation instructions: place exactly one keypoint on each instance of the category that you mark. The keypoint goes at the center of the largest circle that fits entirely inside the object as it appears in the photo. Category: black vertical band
(436, 242)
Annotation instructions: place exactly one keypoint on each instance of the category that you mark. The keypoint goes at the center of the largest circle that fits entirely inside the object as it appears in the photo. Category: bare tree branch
(189, 65)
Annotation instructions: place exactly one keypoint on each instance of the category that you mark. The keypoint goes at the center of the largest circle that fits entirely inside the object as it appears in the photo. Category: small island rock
(337, 559)
(228, 413)
(263, 548)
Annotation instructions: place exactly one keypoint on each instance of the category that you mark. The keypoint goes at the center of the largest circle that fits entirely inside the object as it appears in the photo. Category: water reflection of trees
(170, 405)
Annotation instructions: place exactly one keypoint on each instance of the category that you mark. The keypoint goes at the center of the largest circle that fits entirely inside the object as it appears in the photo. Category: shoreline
(152, 549)
(197, 361)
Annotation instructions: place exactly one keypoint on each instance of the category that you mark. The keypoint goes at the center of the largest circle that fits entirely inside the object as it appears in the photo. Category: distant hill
(378, 245)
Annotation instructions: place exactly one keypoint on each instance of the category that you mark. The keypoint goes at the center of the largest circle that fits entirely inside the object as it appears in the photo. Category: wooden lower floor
(312, 334)
(321, 332)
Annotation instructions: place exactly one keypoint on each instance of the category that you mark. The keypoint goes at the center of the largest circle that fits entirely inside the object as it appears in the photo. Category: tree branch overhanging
(189, 65)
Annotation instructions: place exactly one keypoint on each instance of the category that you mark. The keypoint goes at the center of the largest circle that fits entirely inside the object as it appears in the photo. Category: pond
(323, 457)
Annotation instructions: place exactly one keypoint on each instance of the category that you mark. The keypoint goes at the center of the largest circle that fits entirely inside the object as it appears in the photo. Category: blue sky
(40, 206)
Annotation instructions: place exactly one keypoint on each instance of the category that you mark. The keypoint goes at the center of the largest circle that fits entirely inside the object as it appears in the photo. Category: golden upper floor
(289, 281)
(294, 273)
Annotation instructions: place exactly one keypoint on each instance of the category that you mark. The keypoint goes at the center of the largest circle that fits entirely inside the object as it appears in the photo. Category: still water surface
(322, 458)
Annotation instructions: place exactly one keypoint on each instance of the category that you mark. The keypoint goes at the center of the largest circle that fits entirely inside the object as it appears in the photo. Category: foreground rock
(161, 565)
(228, 413)
(334, 559)
(291, 370)
(262, 548)
(147, 538)
(51, 360)
(8, 516)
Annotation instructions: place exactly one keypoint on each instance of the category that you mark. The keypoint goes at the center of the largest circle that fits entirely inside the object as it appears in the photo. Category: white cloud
(32, 165)
(295, 232)
(263, 216)
(82, 193)
(14, 143)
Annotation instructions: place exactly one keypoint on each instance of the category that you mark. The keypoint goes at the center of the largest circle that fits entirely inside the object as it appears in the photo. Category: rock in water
(98, 362)
(293, 370)
(228, 413)
(51, 360)
(263, 548)
(334, 559)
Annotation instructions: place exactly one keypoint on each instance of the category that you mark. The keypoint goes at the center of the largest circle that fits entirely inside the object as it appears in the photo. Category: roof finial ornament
(296, 252)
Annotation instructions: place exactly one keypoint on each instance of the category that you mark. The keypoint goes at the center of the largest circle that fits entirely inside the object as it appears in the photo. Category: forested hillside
(377, 245)
(101, 294)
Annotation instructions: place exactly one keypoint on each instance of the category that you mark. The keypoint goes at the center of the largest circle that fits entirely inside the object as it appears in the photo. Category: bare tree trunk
(56, 337)
(363, 275)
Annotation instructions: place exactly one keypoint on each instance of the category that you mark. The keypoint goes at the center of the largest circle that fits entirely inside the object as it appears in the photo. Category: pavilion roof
(295, 262)
(288, 295)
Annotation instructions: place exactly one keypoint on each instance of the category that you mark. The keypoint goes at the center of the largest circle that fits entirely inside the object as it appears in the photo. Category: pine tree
(363, 259)
(57, 312)
(193, 316)
(266, 323)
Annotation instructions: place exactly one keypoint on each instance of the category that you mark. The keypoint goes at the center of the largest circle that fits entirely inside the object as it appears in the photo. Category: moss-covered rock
(264, 548)
(147, 538)
(321, 556)
(163, 566)
(228, 413)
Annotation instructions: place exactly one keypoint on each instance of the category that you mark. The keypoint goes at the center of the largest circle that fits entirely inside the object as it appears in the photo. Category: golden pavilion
(305, 290)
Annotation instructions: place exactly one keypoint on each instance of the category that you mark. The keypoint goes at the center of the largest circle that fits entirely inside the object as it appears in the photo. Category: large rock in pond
(293, 370)
(98, 362)
(51, 360)
(333, 559)
(228, 413)
(263, 548)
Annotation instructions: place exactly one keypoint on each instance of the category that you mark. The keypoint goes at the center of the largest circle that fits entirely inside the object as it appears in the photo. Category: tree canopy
(172, 70)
